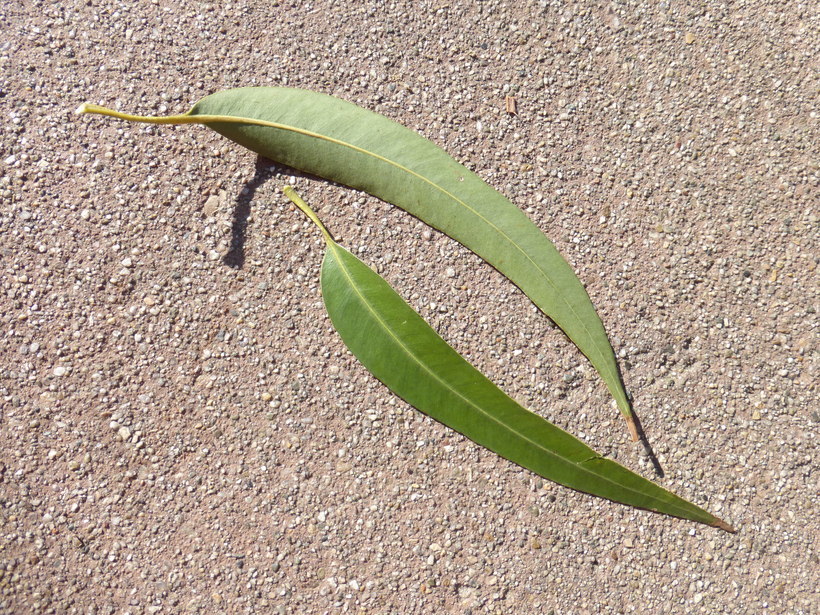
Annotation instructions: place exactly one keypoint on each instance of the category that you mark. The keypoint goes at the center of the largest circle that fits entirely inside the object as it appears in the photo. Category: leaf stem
(185, 118)
(297, 200)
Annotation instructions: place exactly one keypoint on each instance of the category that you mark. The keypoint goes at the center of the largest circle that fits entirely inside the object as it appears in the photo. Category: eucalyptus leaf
(398, 347)
(336, 140)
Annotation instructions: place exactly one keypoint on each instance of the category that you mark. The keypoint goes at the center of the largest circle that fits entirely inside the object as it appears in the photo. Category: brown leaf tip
(632, 427)
(720, 523)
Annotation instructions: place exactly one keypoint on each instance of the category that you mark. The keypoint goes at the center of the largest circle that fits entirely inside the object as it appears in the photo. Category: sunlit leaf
(398, 347)
(336, 140)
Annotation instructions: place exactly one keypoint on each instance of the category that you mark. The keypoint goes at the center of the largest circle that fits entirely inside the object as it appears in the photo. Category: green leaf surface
(398, 347)
(339, 141)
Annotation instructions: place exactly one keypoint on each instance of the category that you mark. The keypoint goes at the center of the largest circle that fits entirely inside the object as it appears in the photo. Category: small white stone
(60, 371)
(124, 433)
(211, 206)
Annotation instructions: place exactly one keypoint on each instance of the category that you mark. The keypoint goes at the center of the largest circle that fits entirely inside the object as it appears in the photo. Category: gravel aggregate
(183, 431)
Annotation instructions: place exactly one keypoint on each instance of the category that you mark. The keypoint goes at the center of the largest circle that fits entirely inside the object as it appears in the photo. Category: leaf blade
(398, 347)
(339, 141)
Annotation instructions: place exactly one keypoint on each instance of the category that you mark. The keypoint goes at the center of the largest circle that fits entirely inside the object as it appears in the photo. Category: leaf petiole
(297, 200)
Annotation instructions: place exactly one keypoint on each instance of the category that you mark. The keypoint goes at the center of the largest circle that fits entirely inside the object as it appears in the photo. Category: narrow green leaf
(339, 141)
(398, 347)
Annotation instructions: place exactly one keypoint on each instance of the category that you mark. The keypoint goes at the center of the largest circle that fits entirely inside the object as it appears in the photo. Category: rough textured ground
(182, 430)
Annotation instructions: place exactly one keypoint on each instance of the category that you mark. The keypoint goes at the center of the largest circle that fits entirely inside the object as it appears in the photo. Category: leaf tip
(631, 426)
(83, 108)
(721, 524)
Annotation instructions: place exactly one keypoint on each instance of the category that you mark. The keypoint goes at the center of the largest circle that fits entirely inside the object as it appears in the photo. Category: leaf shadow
(647, 447)
(642, 437)
(264, 169)
(235, 257)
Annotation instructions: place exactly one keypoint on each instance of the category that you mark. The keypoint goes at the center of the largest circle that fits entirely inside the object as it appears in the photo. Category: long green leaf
(336, 140)
(400, 349)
